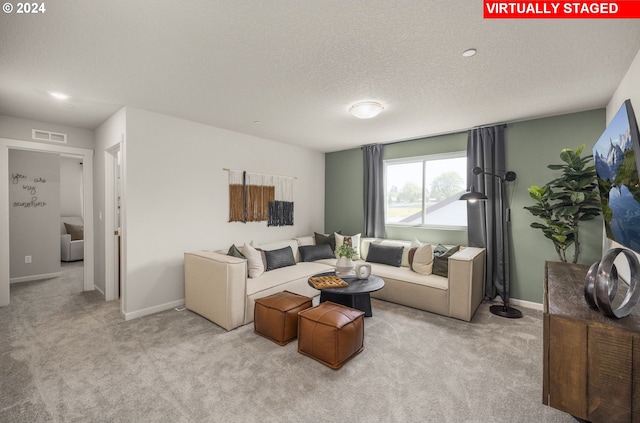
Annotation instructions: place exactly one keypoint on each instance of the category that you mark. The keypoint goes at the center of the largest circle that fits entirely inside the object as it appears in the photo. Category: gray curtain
(486, 150)
(372, 155)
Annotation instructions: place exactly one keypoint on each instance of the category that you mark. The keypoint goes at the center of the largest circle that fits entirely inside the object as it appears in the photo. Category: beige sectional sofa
(217, 286)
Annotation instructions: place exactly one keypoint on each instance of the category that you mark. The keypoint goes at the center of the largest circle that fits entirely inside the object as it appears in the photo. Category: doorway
(87, 200)
(71, 214)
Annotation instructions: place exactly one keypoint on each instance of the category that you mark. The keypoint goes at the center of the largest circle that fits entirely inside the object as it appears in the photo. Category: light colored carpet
(67, 356)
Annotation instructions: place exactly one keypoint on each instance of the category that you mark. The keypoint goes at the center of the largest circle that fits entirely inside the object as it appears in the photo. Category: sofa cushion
(277, 245)
(262, 256)
(441, 259)
(407, 246)
(234, 252)
(326, 239)
(305, 240)
(281, 257)
(254, 260)
(412, 253)
(283, 276)
(422, 260)
(76, 231)
(333, 262)
(407, 275)
(316, 252)
(353, 240)
(74, 220)
(385, 254)
(365, 243)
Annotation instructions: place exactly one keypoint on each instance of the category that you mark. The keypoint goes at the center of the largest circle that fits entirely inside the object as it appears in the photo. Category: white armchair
(71, 238)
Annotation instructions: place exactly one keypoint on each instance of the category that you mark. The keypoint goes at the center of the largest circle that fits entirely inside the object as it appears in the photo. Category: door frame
(111, 288)
(7, 144)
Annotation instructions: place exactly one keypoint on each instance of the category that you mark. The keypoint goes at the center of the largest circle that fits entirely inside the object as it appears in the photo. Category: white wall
(177, 198)
(70, 186)
(34, 214)
(20, 129)
(629, 88)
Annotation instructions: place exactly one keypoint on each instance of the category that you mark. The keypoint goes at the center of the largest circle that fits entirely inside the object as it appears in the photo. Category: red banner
(623, 9)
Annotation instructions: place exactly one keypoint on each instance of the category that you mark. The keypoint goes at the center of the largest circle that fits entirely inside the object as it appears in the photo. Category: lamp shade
(473, 196)
(366, 109)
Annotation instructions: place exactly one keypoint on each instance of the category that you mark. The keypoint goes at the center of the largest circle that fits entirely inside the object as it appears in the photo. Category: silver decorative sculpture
(601, 284)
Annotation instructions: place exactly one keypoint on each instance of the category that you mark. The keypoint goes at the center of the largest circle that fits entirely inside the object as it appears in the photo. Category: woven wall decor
(257, 197)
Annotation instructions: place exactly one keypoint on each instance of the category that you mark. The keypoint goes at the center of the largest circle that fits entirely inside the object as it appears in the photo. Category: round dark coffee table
(356, 295)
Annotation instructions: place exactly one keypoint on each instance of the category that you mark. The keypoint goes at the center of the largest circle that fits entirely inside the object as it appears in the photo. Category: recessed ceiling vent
(39, 135)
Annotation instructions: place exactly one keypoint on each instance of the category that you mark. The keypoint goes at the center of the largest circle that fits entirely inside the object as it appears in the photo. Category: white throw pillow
(355, 243)
(254, 260)
(423, 260)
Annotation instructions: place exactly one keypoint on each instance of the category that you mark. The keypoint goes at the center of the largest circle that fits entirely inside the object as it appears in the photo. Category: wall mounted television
(617, 160)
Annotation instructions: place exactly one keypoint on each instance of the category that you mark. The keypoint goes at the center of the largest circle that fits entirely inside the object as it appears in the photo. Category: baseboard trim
(152, 310)
(97, 288)
(172, 304)
(526, 304)
(35, 277)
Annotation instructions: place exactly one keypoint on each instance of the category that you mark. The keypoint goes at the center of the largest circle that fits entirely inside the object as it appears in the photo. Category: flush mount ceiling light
(366, 109)
(469, 52)
(59, 95)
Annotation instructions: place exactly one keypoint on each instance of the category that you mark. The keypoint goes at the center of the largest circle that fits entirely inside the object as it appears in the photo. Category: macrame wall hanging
(257, 197)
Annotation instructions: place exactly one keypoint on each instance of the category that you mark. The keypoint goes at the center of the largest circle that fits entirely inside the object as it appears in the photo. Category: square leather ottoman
(331, 333)
(276, 317)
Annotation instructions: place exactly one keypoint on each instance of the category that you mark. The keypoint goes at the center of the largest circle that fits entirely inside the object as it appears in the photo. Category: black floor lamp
(503, 310)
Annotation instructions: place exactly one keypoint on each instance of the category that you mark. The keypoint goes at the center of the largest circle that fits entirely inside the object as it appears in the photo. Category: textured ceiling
(296, 66)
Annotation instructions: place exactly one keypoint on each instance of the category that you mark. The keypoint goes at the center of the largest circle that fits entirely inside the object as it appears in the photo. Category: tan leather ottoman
(276, 317)
(331, 333)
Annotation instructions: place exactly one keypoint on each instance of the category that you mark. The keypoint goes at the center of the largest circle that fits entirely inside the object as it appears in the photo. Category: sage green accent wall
(344, 201)
(531, 146)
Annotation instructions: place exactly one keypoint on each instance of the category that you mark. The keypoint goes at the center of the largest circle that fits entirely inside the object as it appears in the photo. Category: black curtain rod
(504, 125)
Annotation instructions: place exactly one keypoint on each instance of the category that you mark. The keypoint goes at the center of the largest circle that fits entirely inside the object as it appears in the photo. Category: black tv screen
(616, 156)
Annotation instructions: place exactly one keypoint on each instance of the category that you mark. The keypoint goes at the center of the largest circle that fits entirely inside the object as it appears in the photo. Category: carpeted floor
(67, 356)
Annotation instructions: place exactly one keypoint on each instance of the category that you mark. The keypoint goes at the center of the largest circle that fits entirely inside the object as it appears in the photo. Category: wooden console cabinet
(591, 362)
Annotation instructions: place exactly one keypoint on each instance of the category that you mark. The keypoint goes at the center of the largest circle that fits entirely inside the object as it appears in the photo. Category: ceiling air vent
(39, 135)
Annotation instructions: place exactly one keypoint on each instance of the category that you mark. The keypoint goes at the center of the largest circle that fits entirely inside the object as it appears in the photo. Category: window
(425, 190)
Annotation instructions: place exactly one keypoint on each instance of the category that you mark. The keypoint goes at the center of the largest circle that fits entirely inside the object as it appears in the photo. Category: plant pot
(344, 265)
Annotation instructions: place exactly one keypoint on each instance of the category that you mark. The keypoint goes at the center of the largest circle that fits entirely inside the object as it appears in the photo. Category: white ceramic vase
(344, 265)
(363, 270)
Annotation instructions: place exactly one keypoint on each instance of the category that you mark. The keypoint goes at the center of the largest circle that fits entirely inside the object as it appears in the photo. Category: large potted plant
(566, 201)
